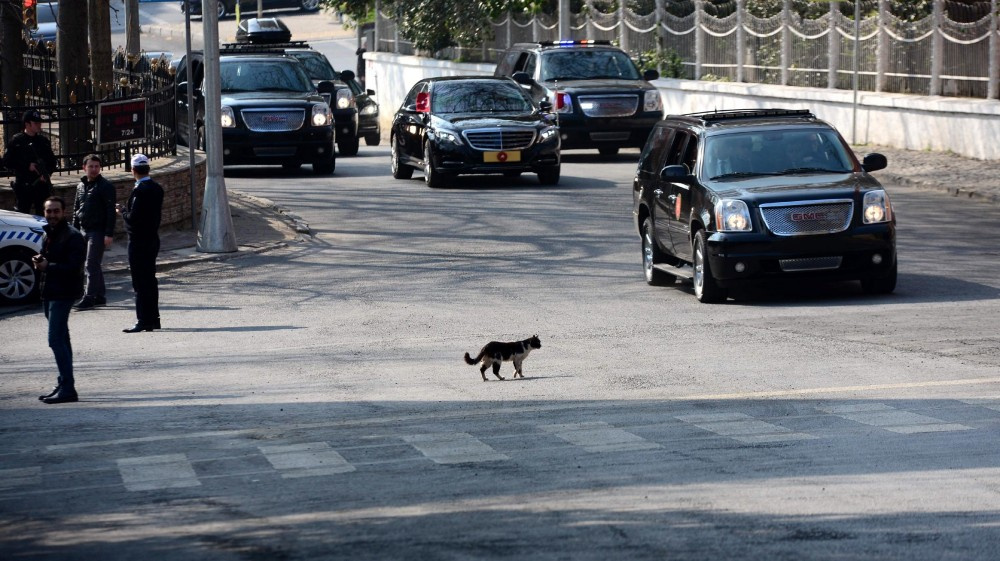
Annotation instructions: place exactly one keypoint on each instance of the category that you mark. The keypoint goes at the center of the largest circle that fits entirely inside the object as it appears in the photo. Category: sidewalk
(941, 171)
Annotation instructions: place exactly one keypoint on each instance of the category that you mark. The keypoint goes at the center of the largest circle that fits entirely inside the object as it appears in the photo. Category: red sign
(119, 121)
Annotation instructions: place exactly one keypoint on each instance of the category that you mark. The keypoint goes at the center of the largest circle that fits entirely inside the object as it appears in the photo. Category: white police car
(20, 238)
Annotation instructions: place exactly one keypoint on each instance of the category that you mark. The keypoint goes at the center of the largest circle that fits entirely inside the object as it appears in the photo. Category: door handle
(672, 198)
(658, 193)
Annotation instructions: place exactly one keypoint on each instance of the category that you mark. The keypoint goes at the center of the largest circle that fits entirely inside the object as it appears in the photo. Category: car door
(664, 197)
(680, 197)
(409, 125)
(181, 96)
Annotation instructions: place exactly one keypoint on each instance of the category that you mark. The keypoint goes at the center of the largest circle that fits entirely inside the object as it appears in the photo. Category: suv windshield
(775, 153)
(587, 64)
(317, 66)
(253, 75)
(481, 96)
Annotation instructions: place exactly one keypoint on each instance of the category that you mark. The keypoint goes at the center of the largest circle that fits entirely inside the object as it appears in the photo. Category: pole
(190, 115)
(132, 27)
(216, 232)
(857, 64)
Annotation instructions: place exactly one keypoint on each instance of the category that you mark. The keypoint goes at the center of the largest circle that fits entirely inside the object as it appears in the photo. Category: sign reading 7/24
(118, 121)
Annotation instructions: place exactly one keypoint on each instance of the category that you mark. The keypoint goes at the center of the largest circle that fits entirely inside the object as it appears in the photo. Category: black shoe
(62, 398)
(86, 304)
(54, 391)
(101, 301)
(141, 327)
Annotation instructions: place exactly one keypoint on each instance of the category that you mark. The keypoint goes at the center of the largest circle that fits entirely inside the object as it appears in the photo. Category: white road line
(453, 448)
(599, 437)
(20, 477)
(148, 473)
(891, 419)
(743, 428)
(306, 460)
(987, 402)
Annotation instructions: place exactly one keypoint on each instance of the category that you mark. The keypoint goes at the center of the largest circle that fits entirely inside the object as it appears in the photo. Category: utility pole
(216, 232)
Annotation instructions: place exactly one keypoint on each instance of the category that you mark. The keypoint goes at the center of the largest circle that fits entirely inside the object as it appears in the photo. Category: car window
(530, 64)
(262, 75)
(655, 150)
(775, 152)
(317, 66)
(584, 64)
(675, 153)
(479, 96)
(410, 102)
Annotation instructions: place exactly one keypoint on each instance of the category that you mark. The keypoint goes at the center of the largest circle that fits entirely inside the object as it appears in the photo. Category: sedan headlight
(446, 136)
(876, 207)
(227, 119)
(321, 115)
(548, 134)
(344, 99)
(732, 215)
(652, 101)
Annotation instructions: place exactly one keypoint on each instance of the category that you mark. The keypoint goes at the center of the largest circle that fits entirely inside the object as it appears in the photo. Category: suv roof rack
(278, 48)
(574, 42)
(713, 117)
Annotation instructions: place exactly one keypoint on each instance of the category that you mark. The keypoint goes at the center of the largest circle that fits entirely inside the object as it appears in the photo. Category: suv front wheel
(705, 288)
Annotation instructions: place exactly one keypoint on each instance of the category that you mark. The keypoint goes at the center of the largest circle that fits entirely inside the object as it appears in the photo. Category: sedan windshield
(479, 96)
(263, 75)
(583, 64)
(784, 152)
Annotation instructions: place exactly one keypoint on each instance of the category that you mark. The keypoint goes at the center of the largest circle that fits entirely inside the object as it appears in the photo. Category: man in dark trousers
(142, 222)
(94, 214)
(61, 266)
(29, 155)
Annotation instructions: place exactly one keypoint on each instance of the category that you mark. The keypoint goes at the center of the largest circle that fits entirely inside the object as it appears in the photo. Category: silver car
(21, 238)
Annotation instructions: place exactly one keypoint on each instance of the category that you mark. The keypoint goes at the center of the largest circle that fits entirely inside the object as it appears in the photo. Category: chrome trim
(776, 221)
(500, 138)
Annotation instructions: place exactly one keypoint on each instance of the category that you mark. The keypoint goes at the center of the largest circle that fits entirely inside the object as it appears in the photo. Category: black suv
(730, 197)
(599, 95)
(272, 114)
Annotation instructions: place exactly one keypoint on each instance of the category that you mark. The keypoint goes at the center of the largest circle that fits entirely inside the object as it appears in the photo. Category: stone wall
(172, 172)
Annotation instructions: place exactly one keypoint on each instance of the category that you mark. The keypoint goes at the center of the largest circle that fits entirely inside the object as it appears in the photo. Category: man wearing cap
(142, 222)
(94, 214)
(29, 155)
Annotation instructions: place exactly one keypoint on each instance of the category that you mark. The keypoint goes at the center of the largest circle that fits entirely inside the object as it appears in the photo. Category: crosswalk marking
(599, 437)
(891, 419)
(20, 477)
(743, 428)
(987, 402)
(306, 459)
(453, 448)
(148, 473)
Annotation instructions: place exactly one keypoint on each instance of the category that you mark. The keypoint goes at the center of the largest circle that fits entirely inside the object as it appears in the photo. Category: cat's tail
(470, 360)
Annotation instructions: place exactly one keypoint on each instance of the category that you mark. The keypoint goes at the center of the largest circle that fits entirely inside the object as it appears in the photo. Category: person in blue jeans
(61, 266)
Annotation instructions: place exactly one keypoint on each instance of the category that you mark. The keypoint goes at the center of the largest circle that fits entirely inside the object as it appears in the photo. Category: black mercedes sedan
(473, 125)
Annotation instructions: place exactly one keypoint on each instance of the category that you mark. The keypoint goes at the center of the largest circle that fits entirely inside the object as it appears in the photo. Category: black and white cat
(496, 352)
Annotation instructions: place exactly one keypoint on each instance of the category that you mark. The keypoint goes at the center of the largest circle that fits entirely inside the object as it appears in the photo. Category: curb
(969, 193)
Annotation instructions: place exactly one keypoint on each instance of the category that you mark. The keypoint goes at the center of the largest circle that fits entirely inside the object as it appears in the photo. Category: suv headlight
(446, 136)
(732, 215)
(548, 134)
(344, 98)
(652, 101)
(876, 207)
(321, 115)
(227, 119)
(369, 109)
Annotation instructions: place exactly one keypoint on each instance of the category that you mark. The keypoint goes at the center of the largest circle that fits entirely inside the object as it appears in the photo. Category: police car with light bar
(601, 98)
(21, 238)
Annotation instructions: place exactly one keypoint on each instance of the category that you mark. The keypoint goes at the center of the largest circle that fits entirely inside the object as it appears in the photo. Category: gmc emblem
(274, 119)
(807, 216)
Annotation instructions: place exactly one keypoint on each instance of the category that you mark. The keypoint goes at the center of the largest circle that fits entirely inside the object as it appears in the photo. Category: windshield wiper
(741, 174)
(811, 170)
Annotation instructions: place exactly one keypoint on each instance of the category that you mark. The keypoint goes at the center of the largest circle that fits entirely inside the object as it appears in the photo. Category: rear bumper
(578, 131)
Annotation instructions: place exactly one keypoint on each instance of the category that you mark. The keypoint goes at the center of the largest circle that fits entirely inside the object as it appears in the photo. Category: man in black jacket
(142, 222)
(61, 266)
(94, 214)
(29, 155)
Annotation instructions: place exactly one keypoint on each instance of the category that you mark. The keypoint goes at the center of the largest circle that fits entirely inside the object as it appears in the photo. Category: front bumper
(346, 122)
(309, 144)
(579, 131)
(368, 124)
(737, 258)
(456, 159)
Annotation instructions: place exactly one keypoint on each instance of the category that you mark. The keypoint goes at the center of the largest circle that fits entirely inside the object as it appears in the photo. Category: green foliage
(669, 64)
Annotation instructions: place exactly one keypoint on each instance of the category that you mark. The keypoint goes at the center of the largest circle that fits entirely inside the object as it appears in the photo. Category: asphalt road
(312, 403)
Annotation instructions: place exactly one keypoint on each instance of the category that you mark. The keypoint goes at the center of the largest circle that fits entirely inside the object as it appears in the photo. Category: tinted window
(479, 96)
(578, 64)
(654, 153)
(775, 152)
(260, 75)
(317, 67)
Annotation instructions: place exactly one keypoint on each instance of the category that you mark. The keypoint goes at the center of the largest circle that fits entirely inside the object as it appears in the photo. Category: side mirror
(677, 173)
(522, 78)
(650, 75)
(346, 75)
(326, 87)
(423, 102)
(370, 92)
(545, 106)
(874, 162)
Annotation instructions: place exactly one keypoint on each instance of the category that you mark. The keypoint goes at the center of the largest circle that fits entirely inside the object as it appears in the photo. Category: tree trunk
(11, 62)
(99, 23)
(72, 74)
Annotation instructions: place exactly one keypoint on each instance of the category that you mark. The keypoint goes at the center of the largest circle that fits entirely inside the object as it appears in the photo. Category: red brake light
(559, 100)
(423, 102)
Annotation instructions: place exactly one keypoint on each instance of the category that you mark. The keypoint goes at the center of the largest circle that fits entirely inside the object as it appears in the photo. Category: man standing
(94, 213)
(61, 266)
(142, 222)
(29, 155)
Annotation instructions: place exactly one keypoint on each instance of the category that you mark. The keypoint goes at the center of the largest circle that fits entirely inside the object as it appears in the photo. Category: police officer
(94, 213)
(142, 215)
(29, 155)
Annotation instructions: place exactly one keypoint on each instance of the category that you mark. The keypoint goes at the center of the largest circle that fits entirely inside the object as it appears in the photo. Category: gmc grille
(273, 120)
(620, 105)
(805, 218)
(499, 139)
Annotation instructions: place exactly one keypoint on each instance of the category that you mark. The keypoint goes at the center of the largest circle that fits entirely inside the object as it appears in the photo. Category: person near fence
(29, 155)
(61, 266)
(142, 215)
(94, 214)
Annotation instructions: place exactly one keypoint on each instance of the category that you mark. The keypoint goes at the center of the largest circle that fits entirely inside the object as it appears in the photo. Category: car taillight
(564, 103)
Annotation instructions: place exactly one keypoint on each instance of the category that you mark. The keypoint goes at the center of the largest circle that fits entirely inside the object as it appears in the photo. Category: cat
(496, 352)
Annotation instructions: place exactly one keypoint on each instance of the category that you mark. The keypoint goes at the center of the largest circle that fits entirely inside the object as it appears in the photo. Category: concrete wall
(968, 127)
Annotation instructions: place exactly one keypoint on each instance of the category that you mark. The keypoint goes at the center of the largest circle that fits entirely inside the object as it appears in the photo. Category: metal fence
(71, 107)
(954, 50)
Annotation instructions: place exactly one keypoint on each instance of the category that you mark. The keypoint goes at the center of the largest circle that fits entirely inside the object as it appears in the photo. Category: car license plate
(502, 157)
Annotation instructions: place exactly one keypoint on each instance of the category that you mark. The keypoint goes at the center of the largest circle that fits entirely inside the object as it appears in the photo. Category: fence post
(699, 38)
(377, 37)
(622, 28)
(510, 23)
(786, 40)
(993, 89)
(659, 36)
(564, 24)
(741, 39)
(833, 47)
(937, 49)
(882, 51)
(590, 20)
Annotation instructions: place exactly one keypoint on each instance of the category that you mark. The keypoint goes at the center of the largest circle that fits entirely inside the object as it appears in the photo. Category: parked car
(21, 238)
(731, 197)
(226, 7)
(272, 114)
(473, 124)
(600, 97)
